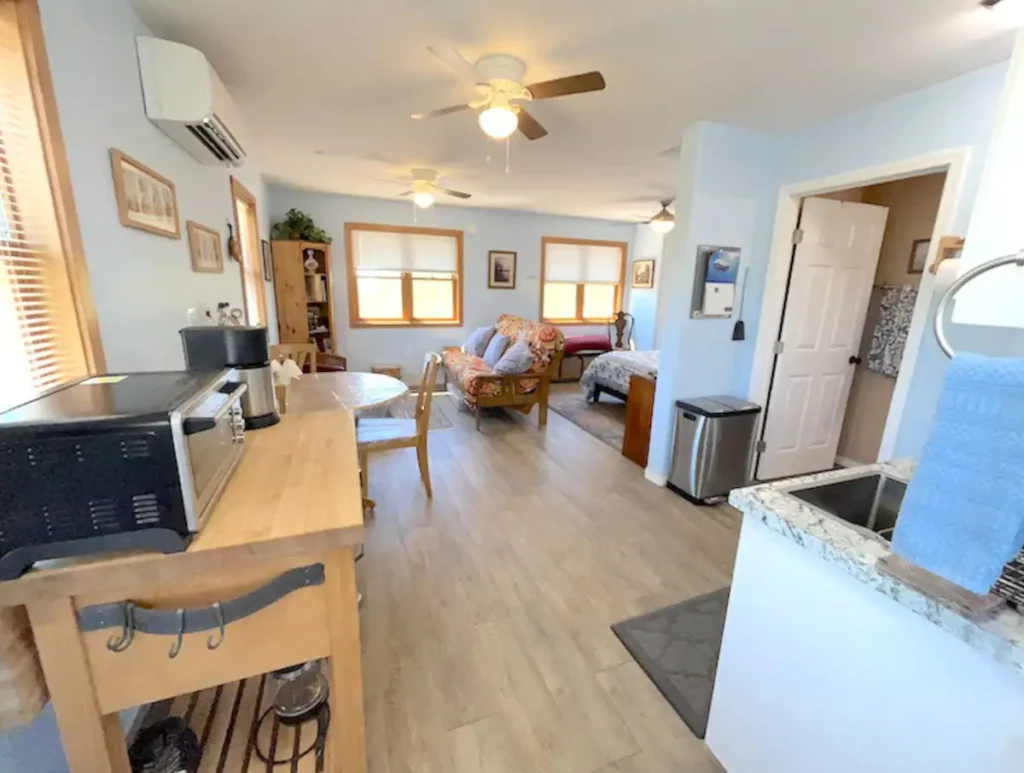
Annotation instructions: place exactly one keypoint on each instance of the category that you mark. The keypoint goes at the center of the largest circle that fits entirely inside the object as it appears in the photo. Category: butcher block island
(274, 567)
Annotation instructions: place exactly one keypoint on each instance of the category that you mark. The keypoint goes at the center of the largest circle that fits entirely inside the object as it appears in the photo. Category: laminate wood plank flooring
(486, 611)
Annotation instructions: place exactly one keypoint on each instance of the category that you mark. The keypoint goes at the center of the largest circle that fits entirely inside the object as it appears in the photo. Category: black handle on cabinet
(855, 360)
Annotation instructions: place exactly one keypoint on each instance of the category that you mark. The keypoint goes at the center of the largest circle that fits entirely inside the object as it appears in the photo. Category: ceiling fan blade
(442, 111)
(529, 127)
(407, 193)
(563, 87)
(456, 194)
(457, 62)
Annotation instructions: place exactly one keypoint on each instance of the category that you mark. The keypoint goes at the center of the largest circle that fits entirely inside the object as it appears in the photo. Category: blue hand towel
(963, 515)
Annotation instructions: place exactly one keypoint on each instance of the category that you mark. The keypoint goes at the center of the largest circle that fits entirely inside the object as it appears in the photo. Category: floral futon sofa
(481, 388)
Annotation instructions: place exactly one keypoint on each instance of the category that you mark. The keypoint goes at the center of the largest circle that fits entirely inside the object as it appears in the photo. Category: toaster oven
(131, 461)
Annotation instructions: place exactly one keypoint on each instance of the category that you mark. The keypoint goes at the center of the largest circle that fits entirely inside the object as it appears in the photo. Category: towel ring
(938, 323)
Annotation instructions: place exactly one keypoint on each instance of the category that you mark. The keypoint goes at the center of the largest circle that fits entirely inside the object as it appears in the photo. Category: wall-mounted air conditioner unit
(186, 99)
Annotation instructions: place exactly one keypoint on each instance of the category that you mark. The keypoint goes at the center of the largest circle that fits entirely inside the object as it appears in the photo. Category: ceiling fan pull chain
(508, 152)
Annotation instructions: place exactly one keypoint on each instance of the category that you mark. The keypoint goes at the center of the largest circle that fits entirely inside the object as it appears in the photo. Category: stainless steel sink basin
(869, 502)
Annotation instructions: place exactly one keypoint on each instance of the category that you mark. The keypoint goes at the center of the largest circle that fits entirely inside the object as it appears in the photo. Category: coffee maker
(246, 350)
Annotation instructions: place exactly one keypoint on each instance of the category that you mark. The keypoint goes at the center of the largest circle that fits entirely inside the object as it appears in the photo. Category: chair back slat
(431, 364)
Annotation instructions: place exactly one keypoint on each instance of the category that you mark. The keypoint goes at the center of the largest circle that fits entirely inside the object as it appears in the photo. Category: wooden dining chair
(301, 353)
(374, 435)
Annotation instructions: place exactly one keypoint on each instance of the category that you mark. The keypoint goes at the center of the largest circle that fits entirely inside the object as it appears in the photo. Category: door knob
(855, 360)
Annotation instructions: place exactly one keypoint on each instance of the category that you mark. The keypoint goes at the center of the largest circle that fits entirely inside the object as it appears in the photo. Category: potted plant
(298, 226)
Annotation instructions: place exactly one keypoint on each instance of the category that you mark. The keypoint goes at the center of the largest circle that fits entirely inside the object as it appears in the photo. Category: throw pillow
(477, 342)
(495, 349)
(517, 359)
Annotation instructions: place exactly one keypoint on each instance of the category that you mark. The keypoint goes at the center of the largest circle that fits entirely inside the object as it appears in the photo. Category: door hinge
(761, 447)
(798, 235)
(777, 347)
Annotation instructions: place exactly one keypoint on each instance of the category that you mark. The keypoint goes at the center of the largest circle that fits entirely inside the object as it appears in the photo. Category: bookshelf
(302, 284)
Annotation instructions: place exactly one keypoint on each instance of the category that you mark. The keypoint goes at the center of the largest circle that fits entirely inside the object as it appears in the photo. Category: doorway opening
(844, 311)
(250, 257)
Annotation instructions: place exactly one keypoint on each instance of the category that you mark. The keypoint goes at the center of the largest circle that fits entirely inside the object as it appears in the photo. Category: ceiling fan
(499, 79)
(425, 187)
(664, 221)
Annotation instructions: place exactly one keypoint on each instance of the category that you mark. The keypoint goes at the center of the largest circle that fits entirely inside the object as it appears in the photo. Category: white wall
(819, 672)
(643, 304)
(484, 230)
(142, 284)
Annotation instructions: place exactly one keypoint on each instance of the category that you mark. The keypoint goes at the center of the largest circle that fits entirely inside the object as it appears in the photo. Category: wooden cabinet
(305, 305)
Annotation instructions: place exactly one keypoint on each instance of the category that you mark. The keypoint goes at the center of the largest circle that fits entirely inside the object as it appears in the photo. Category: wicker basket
(22, 687)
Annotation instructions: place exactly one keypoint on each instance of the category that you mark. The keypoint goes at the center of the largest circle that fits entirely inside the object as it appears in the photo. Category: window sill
(390, 325)
(580, 322)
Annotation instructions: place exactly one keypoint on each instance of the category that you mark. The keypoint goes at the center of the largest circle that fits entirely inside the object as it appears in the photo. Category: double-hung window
(400, 276)
(581, 280)
(47, 329)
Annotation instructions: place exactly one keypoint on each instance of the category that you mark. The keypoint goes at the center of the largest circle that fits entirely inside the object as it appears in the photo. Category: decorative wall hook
(211, 643)
(176, 647)
(124, 641)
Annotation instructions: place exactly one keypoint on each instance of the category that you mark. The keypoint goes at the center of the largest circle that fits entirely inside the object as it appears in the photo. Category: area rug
(678, 648)
(605, 420)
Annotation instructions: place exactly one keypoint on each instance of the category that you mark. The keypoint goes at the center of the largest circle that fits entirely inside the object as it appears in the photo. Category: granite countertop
(999, 634)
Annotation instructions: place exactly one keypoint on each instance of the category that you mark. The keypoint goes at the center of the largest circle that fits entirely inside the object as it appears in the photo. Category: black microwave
(129, 461)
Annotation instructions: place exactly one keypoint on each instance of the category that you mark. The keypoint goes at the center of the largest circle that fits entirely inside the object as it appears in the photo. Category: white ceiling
(342, 77)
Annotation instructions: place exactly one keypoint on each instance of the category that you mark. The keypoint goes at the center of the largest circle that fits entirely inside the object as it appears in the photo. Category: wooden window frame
(30, 28)
(623, 247)
(408, 320)
(240, 193)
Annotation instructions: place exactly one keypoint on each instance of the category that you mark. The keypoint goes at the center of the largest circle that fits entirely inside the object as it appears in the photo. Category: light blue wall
(485, 230)
(735, 178)
(728, 181)
(142, 284)
(643, 304)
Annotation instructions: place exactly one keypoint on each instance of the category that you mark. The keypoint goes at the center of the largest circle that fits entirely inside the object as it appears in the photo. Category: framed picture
(268, 266)
(918, 256)
(501, 270)
(204, 249)
(643, 274)
(145, 200)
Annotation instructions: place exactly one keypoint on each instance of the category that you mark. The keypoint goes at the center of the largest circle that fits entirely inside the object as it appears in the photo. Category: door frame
(954, 163)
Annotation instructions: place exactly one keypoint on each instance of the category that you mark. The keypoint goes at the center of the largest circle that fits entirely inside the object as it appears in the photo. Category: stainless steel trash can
(714, 446)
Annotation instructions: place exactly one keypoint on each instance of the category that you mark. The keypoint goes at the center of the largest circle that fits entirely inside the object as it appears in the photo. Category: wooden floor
(486, 612)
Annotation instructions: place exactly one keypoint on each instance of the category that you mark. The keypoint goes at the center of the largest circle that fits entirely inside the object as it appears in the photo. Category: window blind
(40, 342)
(582, 263)
(412, 252)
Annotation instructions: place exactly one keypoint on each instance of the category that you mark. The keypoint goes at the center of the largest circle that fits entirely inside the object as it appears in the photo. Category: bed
(610, 373)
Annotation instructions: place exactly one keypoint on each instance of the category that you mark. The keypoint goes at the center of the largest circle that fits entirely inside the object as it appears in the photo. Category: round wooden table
(330, 391)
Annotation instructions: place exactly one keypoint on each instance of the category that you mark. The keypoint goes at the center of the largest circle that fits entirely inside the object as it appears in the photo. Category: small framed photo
(918, 256)
(145, 200)
(204, 249)
(643, 274)
(268, 265)
(501, 270)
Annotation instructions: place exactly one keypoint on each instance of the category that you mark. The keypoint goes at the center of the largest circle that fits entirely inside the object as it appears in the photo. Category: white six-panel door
(830, 286)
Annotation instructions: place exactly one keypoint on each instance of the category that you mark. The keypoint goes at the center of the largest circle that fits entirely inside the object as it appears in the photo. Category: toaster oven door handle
(195, 424)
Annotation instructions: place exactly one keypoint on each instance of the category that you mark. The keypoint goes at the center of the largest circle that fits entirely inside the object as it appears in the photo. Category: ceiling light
(663, 225)
(498, 122)
(423, 199)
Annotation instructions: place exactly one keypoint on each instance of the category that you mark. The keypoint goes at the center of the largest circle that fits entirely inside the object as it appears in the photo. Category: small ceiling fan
(425, 187)
(664, 221)
(499, 79)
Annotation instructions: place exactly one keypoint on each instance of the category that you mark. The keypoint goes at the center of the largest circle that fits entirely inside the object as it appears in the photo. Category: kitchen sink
(869, 502)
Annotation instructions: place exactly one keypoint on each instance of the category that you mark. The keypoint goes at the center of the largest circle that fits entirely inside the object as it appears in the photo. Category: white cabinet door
(829, 289)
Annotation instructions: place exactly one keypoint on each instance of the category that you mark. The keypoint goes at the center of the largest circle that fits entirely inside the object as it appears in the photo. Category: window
(403, 276)
(48, 333)
(581, 280)
(247, 233)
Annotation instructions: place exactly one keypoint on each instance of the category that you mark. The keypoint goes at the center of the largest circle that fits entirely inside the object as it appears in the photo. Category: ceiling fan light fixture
(663, 224)
(498, 122)
(423, 199)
